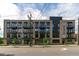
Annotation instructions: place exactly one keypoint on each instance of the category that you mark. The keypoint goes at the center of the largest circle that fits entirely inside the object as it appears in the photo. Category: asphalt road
(31, 51)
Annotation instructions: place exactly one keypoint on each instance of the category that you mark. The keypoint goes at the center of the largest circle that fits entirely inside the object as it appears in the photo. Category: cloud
(7, 11)
(65, 10)
(36, 14)
(70, 11)
(20, 11)
(11, 11)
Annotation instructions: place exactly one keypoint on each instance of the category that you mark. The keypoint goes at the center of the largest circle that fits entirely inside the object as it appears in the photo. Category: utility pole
(30, 27)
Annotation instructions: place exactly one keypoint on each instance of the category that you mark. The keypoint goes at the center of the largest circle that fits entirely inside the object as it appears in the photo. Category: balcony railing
(13, 27)
(13, 31)
(19, 27)
(27, 27)
(71, 32)
(42, 27)
(70, 27)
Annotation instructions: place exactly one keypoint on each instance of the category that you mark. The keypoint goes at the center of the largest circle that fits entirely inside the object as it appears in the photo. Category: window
(13, 24)
(42, 23)
(48, 23)
(36, 25)
(20, 35)
(8, 23)
(64, 29)
(48, 34)
(8, 35)
(14, 35)
(25, 22)
(42, 34)
(25, 35)
(36, 33)
(19, 23)
(70, 29)
(56, 28)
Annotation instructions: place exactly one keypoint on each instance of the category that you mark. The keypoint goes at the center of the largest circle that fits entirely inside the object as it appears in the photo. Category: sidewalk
(37, 46)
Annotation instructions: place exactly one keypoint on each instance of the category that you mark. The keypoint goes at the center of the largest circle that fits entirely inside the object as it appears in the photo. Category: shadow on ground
(2, 54)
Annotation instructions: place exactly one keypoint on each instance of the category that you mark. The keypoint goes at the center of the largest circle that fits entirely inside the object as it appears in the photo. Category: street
(40, 51)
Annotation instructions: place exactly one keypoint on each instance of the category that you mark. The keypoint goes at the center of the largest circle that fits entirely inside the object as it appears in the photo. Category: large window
(56, 27)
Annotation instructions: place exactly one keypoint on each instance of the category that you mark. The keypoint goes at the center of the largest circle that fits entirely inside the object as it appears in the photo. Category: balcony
(27, 27)
(36, 27)
(47, 27)
(71, 37)
(42, 27)
(13, 31)
(25, 31)
(8, 30)
(70, 27)
(13, 27)
(19, 27)
(8, 27)
(43, 31)
(71, 32)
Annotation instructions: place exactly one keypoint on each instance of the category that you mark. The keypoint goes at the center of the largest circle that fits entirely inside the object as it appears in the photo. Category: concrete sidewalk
(37, 46)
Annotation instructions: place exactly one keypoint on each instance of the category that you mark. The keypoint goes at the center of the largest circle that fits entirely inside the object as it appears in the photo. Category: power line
(43, 10)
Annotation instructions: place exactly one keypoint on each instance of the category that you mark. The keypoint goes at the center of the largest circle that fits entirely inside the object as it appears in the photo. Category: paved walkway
(37, 46)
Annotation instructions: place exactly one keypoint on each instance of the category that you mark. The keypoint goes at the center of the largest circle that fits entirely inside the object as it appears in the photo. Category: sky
(38, 10)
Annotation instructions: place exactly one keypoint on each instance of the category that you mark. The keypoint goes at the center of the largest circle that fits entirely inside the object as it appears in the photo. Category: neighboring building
(56, 30)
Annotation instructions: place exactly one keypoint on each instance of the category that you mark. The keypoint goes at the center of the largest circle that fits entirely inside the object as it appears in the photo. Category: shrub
(1, 40)
(14, 41)
(45, 41)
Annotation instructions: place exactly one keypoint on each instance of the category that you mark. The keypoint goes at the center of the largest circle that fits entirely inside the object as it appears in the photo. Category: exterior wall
(63, 31)
(21, 30)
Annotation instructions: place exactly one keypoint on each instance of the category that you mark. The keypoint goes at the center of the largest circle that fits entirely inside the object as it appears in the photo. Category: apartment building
(69, 31)
(57, 30)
